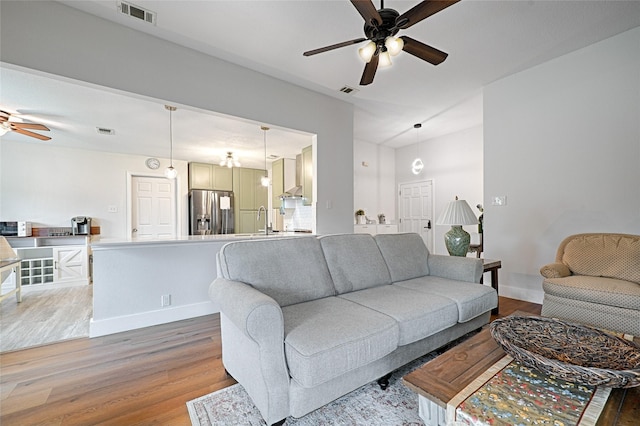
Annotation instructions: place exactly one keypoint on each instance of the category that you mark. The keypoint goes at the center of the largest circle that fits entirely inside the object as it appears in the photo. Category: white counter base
(134, 279)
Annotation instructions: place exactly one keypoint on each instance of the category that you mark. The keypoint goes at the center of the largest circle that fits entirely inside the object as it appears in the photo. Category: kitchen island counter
(143, 282)
(113, 242)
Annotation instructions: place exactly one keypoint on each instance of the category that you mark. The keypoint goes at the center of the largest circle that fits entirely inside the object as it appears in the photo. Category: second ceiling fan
(6, 125)
(380, 28)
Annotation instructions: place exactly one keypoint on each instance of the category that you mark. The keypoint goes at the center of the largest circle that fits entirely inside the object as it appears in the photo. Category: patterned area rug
(368, 405)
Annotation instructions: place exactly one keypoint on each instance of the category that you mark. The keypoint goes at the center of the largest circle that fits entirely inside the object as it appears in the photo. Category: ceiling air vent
(105, 131)
(137, 12)
(348, 90)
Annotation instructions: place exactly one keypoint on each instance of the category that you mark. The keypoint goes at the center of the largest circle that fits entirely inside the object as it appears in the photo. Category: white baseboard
(528, 295)
(147, 319)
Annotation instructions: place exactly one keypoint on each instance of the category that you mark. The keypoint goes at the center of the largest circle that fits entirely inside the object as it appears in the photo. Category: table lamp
(456, 214)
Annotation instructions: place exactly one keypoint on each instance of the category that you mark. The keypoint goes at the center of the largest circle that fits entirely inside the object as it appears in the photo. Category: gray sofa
(306, 320)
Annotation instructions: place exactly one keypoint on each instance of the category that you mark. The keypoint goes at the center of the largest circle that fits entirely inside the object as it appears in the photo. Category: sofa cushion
(328, 337)
(604, 255)
(354, 261)
(419, 315)
(605, 291)
(406, 255)
(471, 299)
(291, 270)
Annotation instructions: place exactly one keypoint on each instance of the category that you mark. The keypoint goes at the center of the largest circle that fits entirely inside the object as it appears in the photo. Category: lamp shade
(457, 212)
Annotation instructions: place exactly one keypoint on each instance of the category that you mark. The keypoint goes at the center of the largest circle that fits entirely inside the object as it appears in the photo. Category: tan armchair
(595, 280)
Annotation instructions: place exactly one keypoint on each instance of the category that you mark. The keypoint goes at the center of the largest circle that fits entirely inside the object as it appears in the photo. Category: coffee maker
(81, 225)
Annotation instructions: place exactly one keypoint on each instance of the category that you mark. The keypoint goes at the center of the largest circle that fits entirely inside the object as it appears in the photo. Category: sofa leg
(280, 423)
(384, 381)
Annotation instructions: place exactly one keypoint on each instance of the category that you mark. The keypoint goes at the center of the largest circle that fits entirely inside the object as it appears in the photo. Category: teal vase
(457, 241)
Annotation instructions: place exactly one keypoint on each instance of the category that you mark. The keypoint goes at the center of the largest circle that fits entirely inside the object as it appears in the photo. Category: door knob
(134, 230)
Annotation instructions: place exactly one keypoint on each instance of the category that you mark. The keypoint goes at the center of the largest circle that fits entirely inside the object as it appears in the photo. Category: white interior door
(153, 207)
(416, 210)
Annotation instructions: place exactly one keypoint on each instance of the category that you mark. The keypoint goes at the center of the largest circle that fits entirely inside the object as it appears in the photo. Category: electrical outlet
(500, 200)
(112, 209)
(165, 300)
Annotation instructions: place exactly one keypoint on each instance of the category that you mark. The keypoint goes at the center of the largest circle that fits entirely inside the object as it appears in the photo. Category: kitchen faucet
(266, 229)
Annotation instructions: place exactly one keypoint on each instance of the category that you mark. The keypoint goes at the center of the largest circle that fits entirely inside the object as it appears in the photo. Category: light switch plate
(500, 200)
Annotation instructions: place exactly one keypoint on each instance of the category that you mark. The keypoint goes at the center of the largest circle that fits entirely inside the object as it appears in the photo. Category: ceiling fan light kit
(381, 26)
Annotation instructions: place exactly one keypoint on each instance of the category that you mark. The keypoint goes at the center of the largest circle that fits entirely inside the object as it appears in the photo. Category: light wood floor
(45, 316)
(138, 377)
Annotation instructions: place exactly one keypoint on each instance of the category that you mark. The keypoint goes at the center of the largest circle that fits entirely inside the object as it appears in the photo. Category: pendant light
(264, 180)
(417, 165)
(170, 172)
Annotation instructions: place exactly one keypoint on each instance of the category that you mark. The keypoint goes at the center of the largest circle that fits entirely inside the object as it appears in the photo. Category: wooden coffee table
(442, 378)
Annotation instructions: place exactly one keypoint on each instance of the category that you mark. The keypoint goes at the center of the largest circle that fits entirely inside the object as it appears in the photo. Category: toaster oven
(15, 229)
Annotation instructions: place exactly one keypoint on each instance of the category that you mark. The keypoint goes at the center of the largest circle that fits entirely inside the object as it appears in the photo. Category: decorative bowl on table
(569, 351)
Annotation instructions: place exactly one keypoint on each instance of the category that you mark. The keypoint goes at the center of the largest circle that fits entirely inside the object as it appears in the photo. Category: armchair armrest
(467, 269)
(555, 270)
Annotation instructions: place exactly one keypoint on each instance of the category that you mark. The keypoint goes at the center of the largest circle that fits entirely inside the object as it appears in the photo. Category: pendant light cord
(171, 136)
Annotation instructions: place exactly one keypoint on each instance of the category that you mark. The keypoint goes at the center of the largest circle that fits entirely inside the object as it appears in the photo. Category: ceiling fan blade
(369, 71)
(33, 126)
(33, 135)
(421, 11)
(368, 12)
(423, 51)
(334, 46)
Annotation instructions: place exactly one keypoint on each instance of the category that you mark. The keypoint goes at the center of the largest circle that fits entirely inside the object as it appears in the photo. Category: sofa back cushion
(602, 255)
(406, 255)
(354, 261)
(289, 270)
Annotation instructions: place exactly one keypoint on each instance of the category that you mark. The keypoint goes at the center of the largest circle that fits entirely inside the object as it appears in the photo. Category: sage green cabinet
(307, 175)
(249, 196)
(210, 176)
(247, 222)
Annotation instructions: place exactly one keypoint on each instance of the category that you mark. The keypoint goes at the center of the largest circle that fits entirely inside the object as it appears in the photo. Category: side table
(492, 265)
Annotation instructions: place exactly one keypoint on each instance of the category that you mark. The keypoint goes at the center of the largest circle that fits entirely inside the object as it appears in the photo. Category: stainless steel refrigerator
(211, 212)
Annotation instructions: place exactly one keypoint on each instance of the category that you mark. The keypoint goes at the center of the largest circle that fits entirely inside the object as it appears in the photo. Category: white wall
(51, 37)
(454, 163)
(48, 185)
(562, 142)
(374, 181)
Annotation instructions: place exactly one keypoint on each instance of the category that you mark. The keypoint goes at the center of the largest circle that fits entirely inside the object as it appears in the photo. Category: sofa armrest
(253, 345)
(253, 312)
(555, 270)
(467, 269)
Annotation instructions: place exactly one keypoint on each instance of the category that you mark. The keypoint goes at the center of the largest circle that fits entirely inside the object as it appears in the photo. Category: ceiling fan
(380, 28)
(14, 126)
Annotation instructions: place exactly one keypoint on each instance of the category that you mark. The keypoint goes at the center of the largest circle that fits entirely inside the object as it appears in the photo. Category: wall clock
(153, 163)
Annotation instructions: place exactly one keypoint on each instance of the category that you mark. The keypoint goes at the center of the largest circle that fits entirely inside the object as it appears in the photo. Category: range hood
(295, 192)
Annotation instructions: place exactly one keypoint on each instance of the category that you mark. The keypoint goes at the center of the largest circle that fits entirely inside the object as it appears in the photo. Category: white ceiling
(486, 40)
